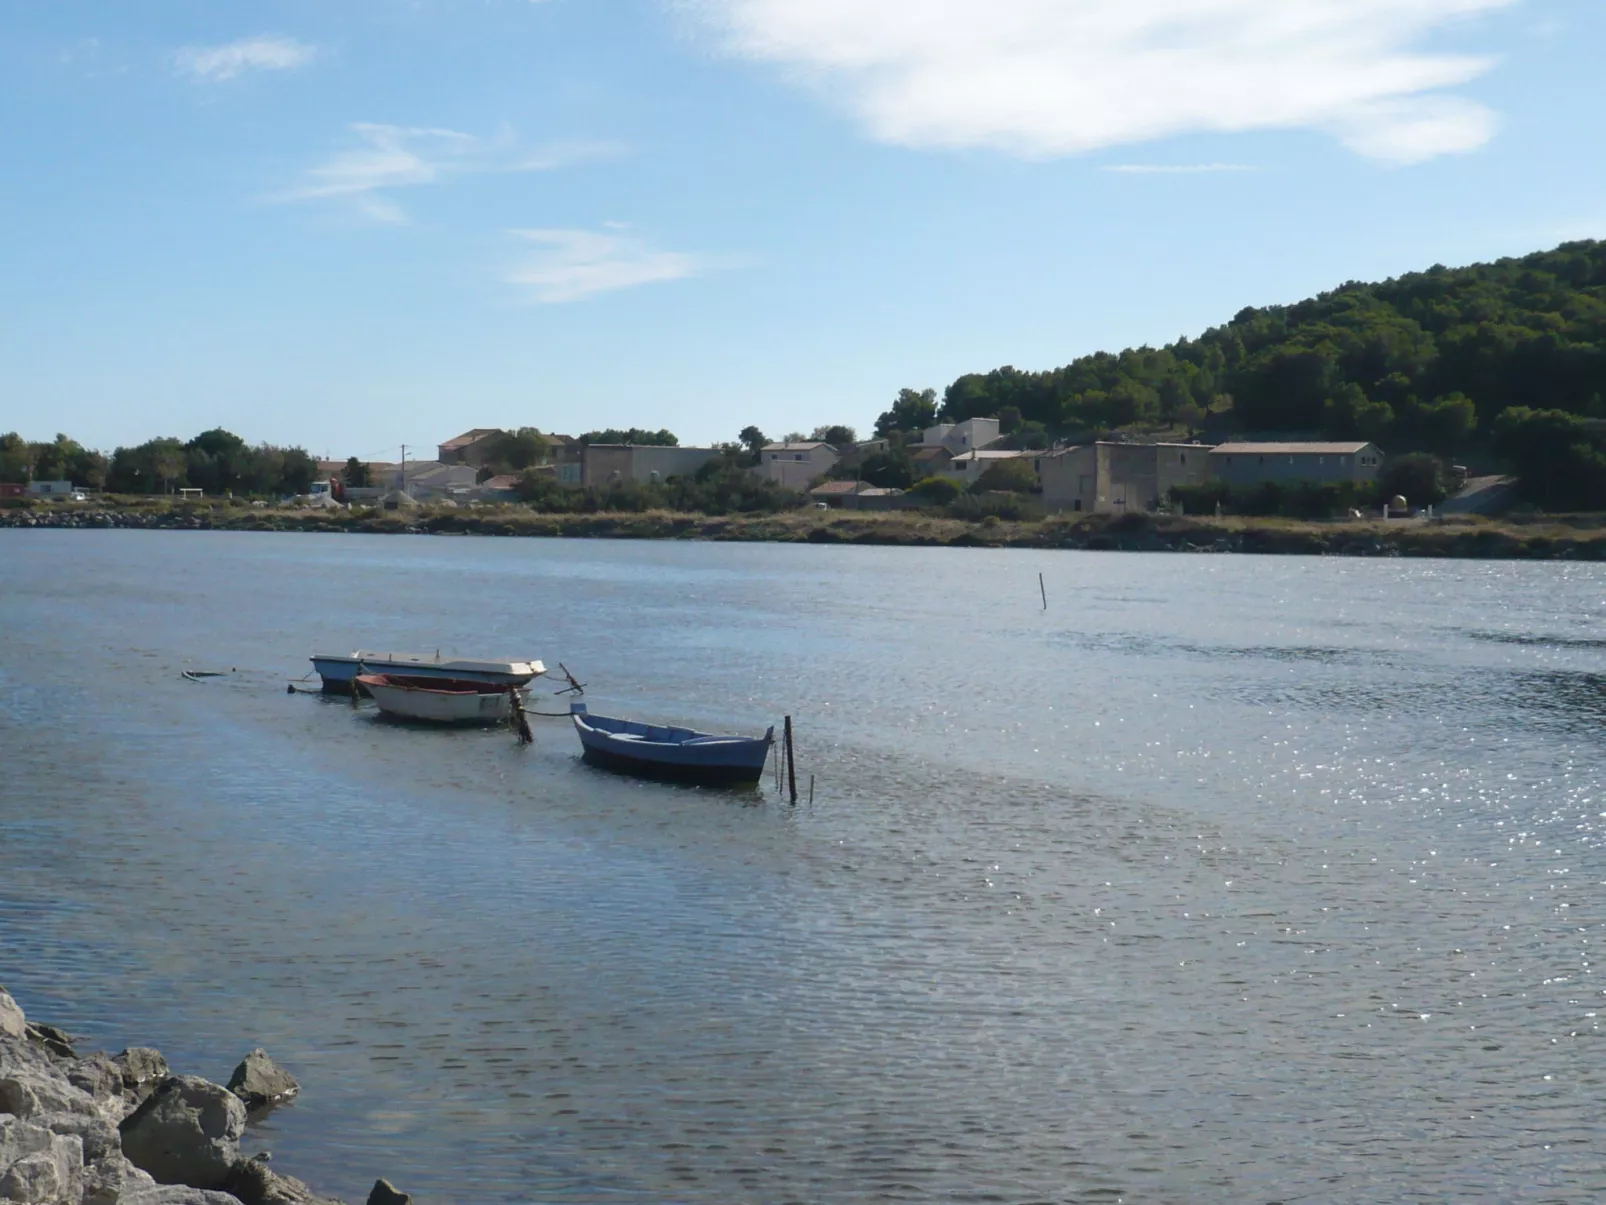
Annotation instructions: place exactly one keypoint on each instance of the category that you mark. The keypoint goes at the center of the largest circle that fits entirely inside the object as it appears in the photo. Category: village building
(795, 465)
(1248, 464)
(602, 465)
(469, 447)
(857, 495)
(50, 489)
(967, 468)
(957, 438)
(1117, 478)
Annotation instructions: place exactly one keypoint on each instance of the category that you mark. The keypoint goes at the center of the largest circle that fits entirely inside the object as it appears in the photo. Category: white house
(968, 436)
(50, 489)
(967, 467)
(796, 465)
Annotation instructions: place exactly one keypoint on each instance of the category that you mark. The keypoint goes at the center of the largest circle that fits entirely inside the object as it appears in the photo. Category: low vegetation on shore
(1579, 537)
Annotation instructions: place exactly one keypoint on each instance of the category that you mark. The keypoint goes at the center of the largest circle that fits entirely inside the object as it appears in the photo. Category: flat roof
(1291, 449)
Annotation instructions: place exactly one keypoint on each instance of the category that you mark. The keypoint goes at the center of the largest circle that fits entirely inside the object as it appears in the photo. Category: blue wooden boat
(678, 754)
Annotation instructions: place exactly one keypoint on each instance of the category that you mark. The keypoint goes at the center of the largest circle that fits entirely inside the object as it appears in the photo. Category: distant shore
(1537, 537)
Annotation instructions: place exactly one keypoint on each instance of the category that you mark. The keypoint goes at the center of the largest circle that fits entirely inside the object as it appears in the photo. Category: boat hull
(671, 754)
(339, 673)
(439, 700)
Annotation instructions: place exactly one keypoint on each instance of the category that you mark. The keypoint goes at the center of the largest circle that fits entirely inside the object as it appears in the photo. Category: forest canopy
(1423, 362)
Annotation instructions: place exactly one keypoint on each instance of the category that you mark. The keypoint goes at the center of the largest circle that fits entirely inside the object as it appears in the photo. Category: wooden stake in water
(520, 724)
(1044, 590)
(791, 763)
(811, 790)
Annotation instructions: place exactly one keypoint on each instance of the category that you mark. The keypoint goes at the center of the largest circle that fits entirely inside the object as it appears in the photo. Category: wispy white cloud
(215, 64)
(1056, 77)
(569, 265)
(1176, 169)
(389, 156)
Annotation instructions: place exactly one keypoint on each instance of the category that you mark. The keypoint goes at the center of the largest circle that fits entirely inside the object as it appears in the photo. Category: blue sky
(350, 224)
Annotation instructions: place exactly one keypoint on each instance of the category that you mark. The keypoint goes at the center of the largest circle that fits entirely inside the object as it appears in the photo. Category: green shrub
(976, 508)
(936, 491)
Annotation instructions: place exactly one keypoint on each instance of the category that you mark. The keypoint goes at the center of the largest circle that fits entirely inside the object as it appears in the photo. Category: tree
(936, 491)
(1189, 414)
(889, 470)
(16, 459)
(1012, 476)
(1418, 477)
(1559, 457)
(754, 441)
(635, 435)
(1009, 420)
(356, 474)
(515, 451)
(837, 436)
(914, 410)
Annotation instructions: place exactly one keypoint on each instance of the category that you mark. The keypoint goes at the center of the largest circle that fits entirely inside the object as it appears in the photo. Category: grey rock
(114, 1181)
(98, 1135)
(186, 1132)
(254, 1184)
(142, 1069)
(98, 1076)
(37, 1166)
(385, 1193)
(57, 1041)
(13, 1022)
(260, 1082)
(179, 1194)
(33, 1091)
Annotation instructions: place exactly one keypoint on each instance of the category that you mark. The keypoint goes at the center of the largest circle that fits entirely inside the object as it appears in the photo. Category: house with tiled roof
(1246, 463)
(469, 447)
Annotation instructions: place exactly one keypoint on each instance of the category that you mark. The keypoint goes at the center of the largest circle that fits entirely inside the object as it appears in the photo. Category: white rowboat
(439, 700)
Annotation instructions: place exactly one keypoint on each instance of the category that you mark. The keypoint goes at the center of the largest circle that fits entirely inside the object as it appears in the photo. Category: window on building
(1182, 458)
(798, 456)
(1077, 505)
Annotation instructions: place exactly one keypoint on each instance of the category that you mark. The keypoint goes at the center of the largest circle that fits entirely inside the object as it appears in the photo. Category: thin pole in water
(811, 790)
(791, 762)
(1044, 590)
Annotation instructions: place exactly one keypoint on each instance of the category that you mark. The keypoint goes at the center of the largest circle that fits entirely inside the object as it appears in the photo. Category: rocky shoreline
(1535, 538)
(124, 1129)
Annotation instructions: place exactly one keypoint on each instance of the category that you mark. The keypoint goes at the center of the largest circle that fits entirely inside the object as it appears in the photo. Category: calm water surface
(1225, 879)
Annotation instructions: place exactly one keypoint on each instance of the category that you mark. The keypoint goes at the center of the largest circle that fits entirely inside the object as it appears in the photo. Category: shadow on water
(1571, 700)
(1532, 640)
(1133, 644)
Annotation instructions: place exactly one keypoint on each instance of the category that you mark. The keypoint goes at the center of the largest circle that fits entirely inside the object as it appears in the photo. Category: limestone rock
(186, 1132)
(115, 1181)
(32, 1091)
(98, 1076)
(142, 1069)
(260, 1082)
(57, 1041)
(13, 1023)
(385, 1193)
(254, 1184)
(98, 1135)
(37, 1166)
(178, 1194)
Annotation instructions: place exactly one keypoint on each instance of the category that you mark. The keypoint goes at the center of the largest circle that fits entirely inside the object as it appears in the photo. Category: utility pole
(404, 469)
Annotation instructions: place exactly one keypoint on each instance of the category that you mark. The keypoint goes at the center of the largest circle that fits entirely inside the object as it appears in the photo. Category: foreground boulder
(186, 1132)
(37, 1165)
(253, 1184)
(178, 1195)
(385, 1193)
(261, 1083)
